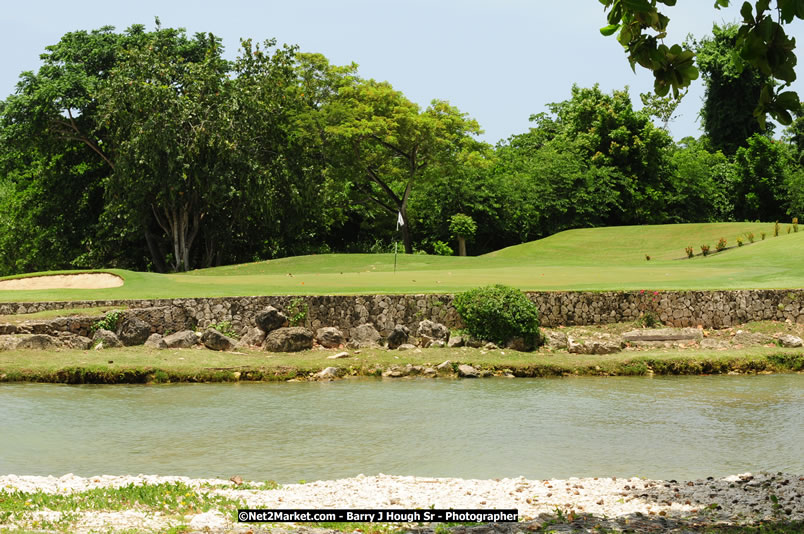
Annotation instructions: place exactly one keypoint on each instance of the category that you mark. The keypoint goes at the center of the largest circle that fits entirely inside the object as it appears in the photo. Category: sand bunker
(64, 281)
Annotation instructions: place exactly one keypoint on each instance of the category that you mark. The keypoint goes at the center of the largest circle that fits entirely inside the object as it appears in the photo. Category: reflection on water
(679, 427)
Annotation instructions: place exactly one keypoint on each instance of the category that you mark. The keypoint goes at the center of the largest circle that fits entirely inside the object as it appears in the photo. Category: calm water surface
(680, 427)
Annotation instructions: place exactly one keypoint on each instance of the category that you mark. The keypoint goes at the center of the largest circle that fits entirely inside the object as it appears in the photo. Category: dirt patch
(63, 281)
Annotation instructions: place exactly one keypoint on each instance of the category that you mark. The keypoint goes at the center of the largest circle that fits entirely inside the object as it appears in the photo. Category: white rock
(209, 520)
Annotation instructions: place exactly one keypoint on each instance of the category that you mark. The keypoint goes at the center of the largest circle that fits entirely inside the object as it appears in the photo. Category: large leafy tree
(54, 158)
(702, 183)
(608, 133)
(392, 142)
(169, 123)
(148, 149)
(761, 41)
(732, 89)
(763, 169)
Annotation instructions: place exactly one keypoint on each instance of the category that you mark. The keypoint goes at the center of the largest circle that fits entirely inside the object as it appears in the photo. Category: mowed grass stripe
(594, 259)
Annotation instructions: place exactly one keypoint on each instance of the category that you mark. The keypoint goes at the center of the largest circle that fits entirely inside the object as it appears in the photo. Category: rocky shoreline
(572, 505)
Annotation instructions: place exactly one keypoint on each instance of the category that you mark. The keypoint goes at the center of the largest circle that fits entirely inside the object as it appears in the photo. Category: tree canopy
(149, 150)
(761, 42)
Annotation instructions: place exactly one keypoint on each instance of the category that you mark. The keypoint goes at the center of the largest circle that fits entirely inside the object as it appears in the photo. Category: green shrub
(690, 252)
(225, 328)
(740, 241)
(795, 224)
(705, 250)
(442, 249)
(762, 235)
(776, 229)
(109, 321)
(499, 313)
(721, 244)
(462, 225)
(297, 312)
(750, 236)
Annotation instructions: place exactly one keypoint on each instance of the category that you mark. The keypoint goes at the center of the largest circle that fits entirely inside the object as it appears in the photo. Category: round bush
(499, 313)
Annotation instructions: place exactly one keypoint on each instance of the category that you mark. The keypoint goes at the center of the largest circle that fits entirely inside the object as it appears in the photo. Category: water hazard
(679, 427)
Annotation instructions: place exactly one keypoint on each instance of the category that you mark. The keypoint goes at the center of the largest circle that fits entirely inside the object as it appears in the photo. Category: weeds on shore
(173, 500)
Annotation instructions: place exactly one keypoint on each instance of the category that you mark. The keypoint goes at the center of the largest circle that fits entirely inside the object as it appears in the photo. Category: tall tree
(610, 135)
(169, 123)
(763, 169)
(732, 89)
(392, 142)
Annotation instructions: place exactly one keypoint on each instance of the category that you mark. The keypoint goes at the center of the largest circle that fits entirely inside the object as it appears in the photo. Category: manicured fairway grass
(611, 258)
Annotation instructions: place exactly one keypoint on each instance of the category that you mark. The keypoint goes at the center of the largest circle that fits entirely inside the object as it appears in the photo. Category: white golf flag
(399, 221)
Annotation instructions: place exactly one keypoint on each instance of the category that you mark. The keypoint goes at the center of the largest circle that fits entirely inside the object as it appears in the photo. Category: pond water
(675, 427)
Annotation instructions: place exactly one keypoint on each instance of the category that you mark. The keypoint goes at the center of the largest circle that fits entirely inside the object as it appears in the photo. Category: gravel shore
(613, 503)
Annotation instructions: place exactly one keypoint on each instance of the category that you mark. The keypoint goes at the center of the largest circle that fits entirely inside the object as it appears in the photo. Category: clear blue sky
(499, 61)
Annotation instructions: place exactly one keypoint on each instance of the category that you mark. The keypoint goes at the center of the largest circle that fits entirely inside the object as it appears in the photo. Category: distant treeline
(147, 150)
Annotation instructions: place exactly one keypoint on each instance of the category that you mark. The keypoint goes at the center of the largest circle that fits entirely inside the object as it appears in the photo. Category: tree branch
(368, 193)
(377, 180)
(82, 138)
(391, 147)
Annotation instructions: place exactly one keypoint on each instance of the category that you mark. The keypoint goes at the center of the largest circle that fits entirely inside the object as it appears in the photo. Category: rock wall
(711, 309)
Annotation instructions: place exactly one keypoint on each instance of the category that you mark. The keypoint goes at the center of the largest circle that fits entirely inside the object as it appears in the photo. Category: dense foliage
(760, 41)
(148, 150)
(499, 313)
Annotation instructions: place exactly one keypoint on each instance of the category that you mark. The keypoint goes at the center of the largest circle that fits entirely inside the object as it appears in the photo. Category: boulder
(330, 373)
(472, 342)
(9, 342)
(254, 337)
(710, 343)
(364, 336)
(288, 339)
(456, 341)
(429, 331)
(39, 342)
(133, 331)
(790, 341)
(406, 346)
(329, 337)
(519, 344)
(155, 341)
(751, 338)
(7, 329)
(601, 345)
(444, 367)
(396, 371)
(398, 336)
(181, 340)
(270, 319)
(467, 371)
(555, 339)
(212, 339)
(663, 334)
(73, 341)
(107, 338)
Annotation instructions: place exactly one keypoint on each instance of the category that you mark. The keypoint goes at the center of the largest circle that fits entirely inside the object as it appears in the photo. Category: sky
(499, 61)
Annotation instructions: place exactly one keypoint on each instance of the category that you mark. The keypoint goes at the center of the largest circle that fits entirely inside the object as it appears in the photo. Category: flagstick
(396, 243)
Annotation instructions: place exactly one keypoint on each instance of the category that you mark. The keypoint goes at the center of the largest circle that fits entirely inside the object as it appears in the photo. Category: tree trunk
(157, 256)
(181, 226)
(406, 232)
(461, 246)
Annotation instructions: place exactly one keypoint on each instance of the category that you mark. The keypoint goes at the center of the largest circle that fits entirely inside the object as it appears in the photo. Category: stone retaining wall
(711, 309)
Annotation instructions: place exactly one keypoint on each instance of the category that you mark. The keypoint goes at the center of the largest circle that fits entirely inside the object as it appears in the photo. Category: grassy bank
(142, 365)
(591, 259)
